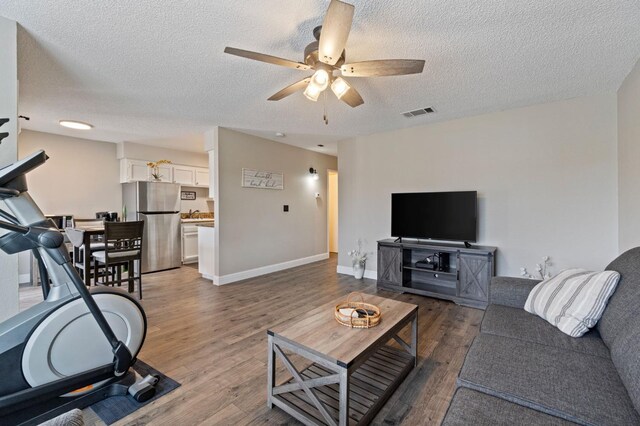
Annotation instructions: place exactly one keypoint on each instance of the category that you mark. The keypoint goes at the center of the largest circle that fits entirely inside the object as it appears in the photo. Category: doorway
(332, 206)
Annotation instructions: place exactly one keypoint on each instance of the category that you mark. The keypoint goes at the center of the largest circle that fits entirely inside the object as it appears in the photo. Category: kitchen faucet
(191, 213)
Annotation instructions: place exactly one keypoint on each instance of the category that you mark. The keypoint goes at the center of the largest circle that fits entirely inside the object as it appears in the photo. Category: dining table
(81, 238)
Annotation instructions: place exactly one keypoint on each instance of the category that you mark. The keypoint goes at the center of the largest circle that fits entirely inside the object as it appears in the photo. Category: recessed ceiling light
(77, 125)
(320, 145)
(280, 135)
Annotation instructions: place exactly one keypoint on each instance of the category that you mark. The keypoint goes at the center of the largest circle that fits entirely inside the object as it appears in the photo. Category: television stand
(465, 282)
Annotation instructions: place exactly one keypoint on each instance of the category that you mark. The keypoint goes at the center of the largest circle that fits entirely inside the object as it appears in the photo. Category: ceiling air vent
(417, 112)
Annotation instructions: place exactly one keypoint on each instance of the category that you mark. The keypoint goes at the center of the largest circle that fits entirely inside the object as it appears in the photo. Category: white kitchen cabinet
(202, 177)
(137, 170)
(189, 243)
(184, 175)
(133, 170)
(165, 171)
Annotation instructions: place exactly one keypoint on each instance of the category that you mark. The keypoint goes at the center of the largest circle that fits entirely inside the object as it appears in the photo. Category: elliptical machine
(74, 348)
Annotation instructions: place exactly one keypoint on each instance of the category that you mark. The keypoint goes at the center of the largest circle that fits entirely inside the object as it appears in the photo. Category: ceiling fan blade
(352, 98)
(291, 89)
(265, 58)
(335, 31)
(383, 68)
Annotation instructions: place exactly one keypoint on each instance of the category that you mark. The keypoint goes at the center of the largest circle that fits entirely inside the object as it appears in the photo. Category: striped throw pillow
(573, 300)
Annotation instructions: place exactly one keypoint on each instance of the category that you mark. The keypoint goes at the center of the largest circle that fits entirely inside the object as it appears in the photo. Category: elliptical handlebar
(20, 168)
(14, 228)
(8, 193)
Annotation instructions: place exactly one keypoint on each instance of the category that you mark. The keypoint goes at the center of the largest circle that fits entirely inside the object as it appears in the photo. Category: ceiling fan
(326, 55)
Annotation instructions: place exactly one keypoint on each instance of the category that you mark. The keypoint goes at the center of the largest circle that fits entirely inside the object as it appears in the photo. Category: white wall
(333, 211)
(81, 177)
(546, 177)
(8, 153)
(253, 231)
(629, 159)
(145, 152)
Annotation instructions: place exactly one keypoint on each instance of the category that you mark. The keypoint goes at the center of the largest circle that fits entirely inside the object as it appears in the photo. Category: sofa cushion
(510, 291)
(578, 387)
(625, 354)
(469, 407)
(623, 308)
(519, 324)
(573, 300)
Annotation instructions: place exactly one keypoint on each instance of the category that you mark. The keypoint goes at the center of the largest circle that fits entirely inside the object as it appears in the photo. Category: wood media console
(465, 281)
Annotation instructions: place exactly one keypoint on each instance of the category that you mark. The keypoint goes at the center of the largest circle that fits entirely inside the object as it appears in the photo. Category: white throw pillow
(573, 300)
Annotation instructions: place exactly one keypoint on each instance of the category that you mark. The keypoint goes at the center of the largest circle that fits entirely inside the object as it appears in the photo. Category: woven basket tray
(355, 321)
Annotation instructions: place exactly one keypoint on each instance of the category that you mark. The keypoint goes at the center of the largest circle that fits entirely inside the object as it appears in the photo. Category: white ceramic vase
(358, 269)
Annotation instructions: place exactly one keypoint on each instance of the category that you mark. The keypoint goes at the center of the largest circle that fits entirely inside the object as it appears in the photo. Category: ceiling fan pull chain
(324, 101)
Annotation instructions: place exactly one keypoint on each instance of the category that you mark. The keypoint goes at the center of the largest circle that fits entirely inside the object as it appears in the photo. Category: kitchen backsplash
(201, 201)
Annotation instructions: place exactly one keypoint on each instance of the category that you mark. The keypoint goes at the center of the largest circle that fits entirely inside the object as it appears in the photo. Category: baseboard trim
(263, 270)
(348, 270)
(24, 278)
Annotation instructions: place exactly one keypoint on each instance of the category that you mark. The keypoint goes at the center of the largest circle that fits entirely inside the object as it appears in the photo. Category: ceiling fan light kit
(340, 87)
(320, 79)
(312, 92)
(327, 55)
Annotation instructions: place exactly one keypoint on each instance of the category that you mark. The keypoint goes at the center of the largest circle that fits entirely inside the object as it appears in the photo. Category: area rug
(112, 409)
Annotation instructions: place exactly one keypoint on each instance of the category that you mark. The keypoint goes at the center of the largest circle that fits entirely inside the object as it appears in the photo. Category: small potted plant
(542, 270)
(358, 260)
(155, 168)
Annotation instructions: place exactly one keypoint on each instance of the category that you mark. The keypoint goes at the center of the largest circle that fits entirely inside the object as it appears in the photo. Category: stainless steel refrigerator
(158, 204)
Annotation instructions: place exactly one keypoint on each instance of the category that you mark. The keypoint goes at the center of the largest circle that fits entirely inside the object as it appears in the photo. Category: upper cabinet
(133, 170)
(137, 170)
(184, 175)
(165, 171)
(202, 177)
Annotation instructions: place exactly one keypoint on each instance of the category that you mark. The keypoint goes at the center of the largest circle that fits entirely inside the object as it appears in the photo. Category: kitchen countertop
(206, 225)
(196, 220)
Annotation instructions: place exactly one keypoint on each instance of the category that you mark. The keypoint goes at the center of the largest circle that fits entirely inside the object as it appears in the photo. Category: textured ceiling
(155, 70)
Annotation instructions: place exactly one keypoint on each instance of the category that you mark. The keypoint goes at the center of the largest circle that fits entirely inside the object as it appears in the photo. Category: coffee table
(350, 373)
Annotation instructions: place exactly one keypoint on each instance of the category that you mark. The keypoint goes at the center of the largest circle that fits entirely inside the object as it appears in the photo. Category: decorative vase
(358, 269)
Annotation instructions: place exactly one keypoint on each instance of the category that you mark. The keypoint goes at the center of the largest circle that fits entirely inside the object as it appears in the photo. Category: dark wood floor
(213, 341)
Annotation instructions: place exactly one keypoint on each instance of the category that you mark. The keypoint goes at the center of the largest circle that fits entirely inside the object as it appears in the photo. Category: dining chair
(123, 248)
(97, 243)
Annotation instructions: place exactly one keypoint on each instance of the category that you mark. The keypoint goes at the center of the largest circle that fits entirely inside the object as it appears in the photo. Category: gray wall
(546, 177)
(8, 154)
(254, 231)
(629, 159)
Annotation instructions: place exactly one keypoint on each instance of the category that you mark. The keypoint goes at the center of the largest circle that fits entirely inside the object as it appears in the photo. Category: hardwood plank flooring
(213, 341)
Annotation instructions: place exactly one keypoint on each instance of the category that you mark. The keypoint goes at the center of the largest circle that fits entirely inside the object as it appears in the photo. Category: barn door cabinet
(466, 280)
(389, 266)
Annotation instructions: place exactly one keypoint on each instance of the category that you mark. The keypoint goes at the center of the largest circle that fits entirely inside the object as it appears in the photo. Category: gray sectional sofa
(522, 370)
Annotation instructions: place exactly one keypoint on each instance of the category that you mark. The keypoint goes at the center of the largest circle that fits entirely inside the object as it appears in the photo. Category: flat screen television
(448, 216)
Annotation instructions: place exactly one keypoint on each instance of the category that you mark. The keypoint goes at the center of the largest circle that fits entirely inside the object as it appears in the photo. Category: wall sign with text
(262, 180)
(188, 195)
